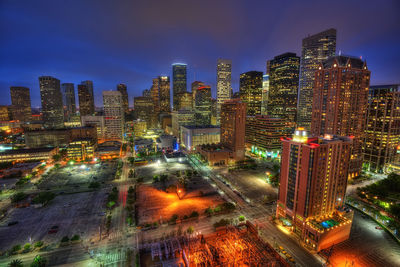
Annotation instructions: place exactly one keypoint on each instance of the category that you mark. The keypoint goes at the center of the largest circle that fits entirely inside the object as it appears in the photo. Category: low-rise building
(139, 128)
(81, 149)
(98, 122)
(28, 154)
(193, 136)
(166, 142)
(181, 118)
(108, 150)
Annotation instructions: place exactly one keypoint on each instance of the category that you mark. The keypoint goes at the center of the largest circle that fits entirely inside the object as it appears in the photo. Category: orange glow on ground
(155, 204)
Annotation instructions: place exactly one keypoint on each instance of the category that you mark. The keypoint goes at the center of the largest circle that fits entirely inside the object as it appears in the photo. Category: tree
(190, 230)
(241, 218)
(39, 261)
(38, 244)
(75, 238)
(57, 157)
(64, 239)
(94, 185)
(27, 247)
(43, 198)
(15, 263)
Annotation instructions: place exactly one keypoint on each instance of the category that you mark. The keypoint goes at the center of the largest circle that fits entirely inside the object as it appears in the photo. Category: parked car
(12, 223)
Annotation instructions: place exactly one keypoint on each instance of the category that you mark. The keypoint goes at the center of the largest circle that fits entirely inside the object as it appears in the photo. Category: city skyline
(114, 62)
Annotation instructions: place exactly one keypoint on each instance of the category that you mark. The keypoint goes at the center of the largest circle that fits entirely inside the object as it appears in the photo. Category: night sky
(121, 41)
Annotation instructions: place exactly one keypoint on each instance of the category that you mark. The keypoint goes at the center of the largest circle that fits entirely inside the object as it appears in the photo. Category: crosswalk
(115, 235)
(114, 257)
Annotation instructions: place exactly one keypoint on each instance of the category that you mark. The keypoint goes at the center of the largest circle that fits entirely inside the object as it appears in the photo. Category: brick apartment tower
(312, 187)
(340, 101)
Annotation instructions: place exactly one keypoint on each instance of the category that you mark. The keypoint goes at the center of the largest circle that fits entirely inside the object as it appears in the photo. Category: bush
(75, 238)
(15, 263)
(222, 222)
(43, 198)
(94, 185)
(27, 247)
(17, 197)
(194, 214)
(64, 239)
(173, 219)
(38, 261)
(16, 248)
(242, 218)
(38, 244)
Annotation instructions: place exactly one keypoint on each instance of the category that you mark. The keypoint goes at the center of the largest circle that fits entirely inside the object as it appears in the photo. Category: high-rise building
(263, 135)
(52, 105)
(144, 110)
(195, 86)
(181, 118)
(20, 104)
(283, 85)
(122, 88)
(114, 115)
(315, 50)
(233, 125)
(146, 93)
(68, 92)
(312, 188)
(382, 131)
(251, 91)
(185, 101)
(265, 90)
(164, 94)
(340, 102)
(224, 80)
(86, 98)
(202, 106)
(178, 81)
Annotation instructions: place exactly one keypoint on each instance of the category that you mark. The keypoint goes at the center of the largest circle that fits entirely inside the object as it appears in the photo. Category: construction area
(228, 246)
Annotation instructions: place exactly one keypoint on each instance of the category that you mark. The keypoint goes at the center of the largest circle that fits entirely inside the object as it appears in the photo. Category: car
(54, 227)
(12, 223)
(378, 227)
(52, 231)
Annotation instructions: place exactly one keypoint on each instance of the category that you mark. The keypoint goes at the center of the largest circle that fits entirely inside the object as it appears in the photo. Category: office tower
(146, 93)
(283, 85)
(251, 91)
(178, 81)
(20, 104)
(340, 102)
(202, 106)
(265, 90)
(313, 186)
(185, 101)
(224, 80)
(195, 86)
(114, 115)
(68, 91)
(382, 131)
(164, 94)
(52, 106)
(233, 125)
(4, 113)
(86, 98)
(263, 135)
(144, 110)
(125, 100)
(155, 95)
(315, 50)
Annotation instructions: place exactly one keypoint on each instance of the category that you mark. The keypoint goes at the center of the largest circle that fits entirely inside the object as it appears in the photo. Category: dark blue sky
(128, 41)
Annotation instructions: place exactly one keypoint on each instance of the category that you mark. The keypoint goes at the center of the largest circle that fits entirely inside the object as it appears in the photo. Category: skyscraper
(251, 91)
(164, 94)
(315, 49)
(114, 115)
(178, 82)
(382, 131)
(202, 106)
(340, 102)
(52, 105)
(86, 98)
(122, 88)
(233, 125)
(195, 86)
(312, 188)
(68, 91)
(20, 104)
(265, 91)
(283, 85)
(224, 87)
(144, 110)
